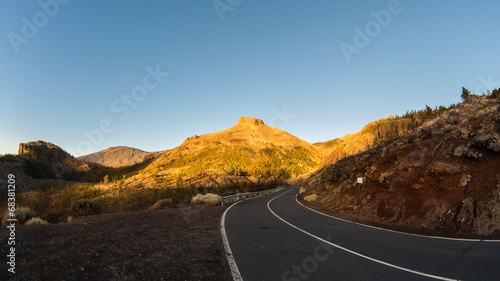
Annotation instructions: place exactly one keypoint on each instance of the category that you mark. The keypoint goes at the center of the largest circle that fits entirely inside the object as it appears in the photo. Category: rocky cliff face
(368, 137)
(40, 164)
(443, 176)
(41, 148)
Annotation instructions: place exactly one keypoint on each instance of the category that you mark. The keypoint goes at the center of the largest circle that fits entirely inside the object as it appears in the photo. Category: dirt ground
(173, 244)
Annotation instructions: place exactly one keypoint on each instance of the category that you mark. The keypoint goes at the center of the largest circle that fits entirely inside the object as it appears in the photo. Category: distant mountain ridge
(248, 153)
(118, 156)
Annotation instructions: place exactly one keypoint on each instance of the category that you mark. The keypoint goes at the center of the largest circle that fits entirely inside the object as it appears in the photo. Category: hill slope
(117, 156)
(248, 153)
(41, 164)
(442, 176)
(370, 135)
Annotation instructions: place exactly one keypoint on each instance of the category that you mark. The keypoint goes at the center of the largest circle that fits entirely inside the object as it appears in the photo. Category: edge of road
(392, 230)
(236, 275)
(235, 272)
(437, 277)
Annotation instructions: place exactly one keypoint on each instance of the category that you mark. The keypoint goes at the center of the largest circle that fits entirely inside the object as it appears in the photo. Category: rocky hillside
(370, 135)
(118, 156)
(42, 164)
(44, 160)
(248, 153)
(444, 175)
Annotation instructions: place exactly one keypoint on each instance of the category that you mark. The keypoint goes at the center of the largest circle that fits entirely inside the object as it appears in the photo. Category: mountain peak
(117, 156)
(249, 121)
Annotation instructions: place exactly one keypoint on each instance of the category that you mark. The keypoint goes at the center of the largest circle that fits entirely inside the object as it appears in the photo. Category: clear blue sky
(66, 68)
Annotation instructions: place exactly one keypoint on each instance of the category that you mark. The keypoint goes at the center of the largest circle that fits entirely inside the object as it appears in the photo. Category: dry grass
(311, 198)
(302, 191)
(36, 220)
(209, 199)
(55, 205)
(162, 204)
(22, 214)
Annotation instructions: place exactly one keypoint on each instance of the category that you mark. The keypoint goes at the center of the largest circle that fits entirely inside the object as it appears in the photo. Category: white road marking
(395, 231)
(351, 251)
(235, 272)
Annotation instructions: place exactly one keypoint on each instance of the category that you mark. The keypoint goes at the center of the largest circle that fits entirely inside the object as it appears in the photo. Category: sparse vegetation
(57, 204)
(36, 220)
(85, 207)
(162, 204)
(22, 214)
(272, 162)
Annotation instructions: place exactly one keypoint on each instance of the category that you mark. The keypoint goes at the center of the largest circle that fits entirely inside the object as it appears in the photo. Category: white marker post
(360, 181)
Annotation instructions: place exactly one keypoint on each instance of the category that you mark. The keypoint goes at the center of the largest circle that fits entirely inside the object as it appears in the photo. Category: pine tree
(465, 94)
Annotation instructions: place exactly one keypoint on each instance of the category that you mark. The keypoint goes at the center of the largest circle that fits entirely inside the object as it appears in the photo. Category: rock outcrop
(250, 121)
(39, 148)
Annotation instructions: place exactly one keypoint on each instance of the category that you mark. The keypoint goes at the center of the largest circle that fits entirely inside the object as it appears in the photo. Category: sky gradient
(88, 75)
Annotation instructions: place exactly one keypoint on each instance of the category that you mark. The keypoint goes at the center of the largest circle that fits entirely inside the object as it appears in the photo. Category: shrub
(382, 178)
(86, 207)
(22, 214)
(311, 198)
(496, 93)
(198, 199)
(302, 191)
(36, 220)
(162, 204)
(209, 199)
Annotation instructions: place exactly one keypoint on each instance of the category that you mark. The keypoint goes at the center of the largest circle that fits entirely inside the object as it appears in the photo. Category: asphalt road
(273, 237)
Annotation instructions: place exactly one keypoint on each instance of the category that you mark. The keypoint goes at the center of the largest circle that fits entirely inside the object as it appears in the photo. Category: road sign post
(360, 181)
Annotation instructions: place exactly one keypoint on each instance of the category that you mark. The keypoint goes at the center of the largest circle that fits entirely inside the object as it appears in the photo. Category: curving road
(274, 237)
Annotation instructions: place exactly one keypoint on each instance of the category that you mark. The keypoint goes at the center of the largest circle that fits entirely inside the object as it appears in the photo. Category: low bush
(311, 198)
(209, 199)
(22, 214)
(85, 207)
(302, 191)
(36, 220)
(162, 204)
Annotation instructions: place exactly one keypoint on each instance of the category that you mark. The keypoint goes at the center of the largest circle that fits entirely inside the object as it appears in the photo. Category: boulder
(489, 141)
(464, 180)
